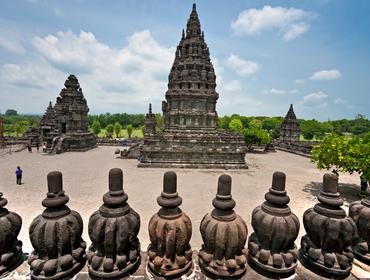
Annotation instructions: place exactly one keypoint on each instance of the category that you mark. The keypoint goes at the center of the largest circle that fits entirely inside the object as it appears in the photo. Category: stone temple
(64, 127)
(189, 138)
(289, 130)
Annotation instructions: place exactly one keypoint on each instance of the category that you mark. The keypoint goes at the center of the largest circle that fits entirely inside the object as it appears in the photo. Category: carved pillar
(56, 236)
(10, 246)
(271, 246)
(224, 234)
(330, 232)
(170, 232)
(113, 230)
(359, 211)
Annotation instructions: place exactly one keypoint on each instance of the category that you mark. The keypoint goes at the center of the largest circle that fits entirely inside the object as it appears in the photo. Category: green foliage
(11, 112)
(236, 126)
(344, 154)
(129, 129)
(159, 121)
(124, 119)
(96, 127)
(117, 129)
(256, 136)
(110, 128)
(20, 127)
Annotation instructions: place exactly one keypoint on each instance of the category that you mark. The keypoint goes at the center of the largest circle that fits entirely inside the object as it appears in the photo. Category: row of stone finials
(331, 242)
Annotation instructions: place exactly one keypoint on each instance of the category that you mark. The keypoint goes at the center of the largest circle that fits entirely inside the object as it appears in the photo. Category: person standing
(29, 148)
(37, 146)
(18, 175)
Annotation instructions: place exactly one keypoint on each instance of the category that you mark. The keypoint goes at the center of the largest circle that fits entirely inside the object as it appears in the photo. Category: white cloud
(290, 22)
(279, 92)
(11, 46)
(113, 80)
(333, 74)
(339, 101)
(295, 30)
(241, 66)
(232, 86)
(300, 81)
(314, 99)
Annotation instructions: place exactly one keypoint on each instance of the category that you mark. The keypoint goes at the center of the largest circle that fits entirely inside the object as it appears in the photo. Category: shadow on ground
(348, 192)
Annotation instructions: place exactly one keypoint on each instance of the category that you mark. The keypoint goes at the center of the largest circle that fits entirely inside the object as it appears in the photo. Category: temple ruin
(64, 127)
(289, 130)
(189, 138)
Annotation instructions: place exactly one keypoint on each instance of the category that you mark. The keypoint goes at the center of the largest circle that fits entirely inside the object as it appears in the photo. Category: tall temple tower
(189, 137)
(191, 95)
(289, 130)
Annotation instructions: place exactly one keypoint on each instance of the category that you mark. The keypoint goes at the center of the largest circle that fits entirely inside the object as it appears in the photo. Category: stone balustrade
(332, 242)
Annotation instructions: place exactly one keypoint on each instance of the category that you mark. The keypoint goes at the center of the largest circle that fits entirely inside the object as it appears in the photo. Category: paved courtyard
(86, 180)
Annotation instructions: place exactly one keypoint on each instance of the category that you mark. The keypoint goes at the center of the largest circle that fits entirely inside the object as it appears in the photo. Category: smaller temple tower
(149, 122)
(64, 127)
(289, 130)
(2, 138)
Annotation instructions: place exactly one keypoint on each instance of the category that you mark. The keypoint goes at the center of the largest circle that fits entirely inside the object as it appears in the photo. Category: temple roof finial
(150, 108)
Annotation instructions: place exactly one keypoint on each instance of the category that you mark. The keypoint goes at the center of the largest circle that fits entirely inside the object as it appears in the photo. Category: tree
(109, 128)
(255, 136)
(344, 154)
(117, 129)
(20, 127)
(96, 128)
(236, 125)
(129, 129)
(11, 112)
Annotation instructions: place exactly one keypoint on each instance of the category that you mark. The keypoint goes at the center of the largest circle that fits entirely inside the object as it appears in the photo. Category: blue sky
(267, 54)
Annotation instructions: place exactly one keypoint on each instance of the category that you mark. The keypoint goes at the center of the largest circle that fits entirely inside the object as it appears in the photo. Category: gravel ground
(85, 178)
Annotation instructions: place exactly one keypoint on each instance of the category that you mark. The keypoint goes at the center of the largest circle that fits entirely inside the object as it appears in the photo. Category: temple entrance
(64, 128)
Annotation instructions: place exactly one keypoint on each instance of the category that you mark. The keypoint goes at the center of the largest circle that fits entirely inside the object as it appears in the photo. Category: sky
(267, 54)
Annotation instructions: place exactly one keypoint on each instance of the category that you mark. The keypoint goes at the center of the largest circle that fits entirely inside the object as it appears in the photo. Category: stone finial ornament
(271, 246)
(224, 235)
(330, 232)
(359, 211)
(113, 230)
(59, 250)
(170, 231)
(10, 246)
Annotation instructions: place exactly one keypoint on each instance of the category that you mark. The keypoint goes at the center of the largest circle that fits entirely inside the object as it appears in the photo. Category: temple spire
(150, 108)
(193, 25)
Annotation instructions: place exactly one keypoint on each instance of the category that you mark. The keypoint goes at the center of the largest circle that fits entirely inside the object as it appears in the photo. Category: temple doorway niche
(64, 128)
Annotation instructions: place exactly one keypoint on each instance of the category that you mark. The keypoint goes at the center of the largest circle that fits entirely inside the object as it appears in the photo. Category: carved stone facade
(170, 231)
(224, 235)
(359, 211)
(330, 232)
(271, 246)
(289, 130)
(64, 127)
(59, 250)
(10, 246)
(113, 230)
(190, 138)
(2, 138)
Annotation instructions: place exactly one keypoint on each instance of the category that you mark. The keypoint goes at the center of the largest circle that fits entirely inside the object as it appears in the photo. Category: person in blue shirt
(18, 174)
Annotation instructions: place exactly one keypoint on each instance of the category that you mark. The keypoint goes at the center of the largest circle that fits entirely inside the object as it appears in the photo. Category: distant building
(64, 127)
(289, 129)
(189, 137)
